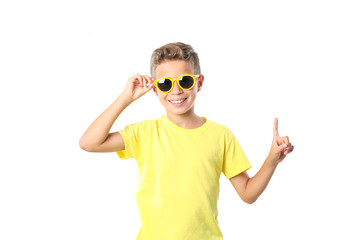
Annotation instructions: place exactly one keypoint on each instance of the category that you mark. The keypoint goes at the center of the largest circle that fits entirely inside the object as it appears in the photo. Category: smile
(177, 101)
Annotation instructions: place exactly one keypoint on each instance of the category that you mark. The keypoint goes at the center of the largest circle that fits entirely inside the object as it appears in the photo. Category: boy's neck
(188, 120)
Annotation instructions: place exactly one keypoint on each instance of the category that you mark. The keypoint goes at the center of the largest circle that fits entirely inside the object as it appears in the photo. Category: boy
(181, 155)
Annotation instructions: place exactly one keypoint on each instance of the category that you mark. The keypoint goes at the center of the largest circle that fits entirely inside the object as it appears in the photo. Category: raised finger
(275, 128)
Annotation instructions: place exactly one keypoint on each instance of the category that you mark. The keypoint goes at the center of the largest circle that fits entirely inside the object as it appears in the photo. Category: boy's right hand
(137, 86)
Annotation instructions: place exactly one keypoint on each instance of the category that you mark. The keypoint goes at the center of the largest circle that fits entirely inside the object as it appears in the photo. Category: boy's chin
(178, 110)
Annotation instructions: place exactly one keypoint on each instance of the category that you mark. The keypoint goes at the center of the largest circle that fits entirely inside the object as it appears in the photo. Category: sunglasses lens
(186, 82)
(164, 85)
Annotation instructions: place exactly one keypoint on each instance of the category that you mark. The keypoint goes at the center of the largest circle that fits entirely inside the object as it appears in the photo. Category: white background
(62, 63)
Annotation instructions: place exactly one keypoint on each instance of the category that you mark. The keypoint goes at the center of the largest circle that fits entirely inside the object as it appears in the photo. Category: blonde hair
(174, 51)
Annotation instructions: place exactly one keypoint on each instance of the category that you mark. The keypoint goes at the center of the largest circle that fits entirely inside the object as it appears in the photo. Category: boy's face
(177, 101)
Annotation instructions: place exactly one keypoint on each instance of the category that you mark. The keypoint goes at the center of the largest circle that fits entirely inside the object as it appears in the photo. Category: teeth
(178, 101)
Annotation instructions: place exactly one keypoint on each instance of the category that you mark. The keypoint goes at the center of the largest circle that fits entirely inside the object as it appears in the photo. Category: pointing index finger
(275, 129)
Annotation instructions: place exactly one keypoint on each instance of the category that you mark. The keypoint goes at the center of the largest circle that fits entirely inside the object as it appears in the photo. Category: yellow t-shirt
(178, 181)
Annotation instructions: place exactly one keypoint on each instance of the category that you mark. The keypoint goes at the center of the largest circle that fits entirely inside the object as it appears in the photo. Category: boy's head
(174, 51)
(174, 61)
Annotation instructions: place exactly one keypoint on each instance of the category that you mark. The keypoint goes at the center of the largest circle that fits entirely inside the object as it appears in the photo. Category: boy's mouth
(177, 101)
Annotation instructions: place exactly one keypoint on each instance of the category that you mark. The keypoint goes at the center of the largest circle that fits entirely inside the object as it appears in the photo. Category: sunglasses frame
(177, 80)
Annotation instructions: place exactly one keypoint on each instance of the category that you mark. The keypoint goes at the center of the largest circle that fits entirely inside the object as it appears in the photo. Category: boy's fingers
(144, 81)
(149, 87)
(147, 83)
(137, 79)
(275, 128)
(286, 140)
(282, 147)
(289, 149)
(151, 79)
(148, 80)
(141, 81)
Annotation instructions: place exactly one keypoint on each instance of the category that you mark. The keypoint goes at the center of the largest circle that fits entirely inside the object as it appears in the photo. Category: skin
(98, 139)
(249, 189)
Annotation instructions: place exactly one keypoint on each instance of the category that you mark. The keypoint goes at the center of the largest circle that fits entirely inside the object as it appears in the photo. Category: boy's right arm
(97, 137)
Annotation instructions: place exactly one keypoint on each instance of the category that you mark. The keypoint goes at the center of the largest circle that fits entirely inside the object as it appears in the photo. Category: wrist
(271, 162)
(126, 98)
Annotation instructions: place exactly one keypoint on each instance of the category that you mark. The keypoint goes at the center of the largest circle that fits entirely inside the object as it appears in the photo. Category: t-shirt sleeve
(132, 138)
(235, 160)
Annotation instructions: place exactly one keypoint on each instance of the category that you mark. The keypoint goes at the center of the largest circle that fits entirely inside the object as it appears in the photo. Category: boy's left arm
(249, 189)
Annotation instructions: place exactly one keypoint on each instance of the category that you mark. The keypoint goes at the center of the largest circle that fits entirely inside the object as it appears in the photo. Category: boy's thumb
(282, 147)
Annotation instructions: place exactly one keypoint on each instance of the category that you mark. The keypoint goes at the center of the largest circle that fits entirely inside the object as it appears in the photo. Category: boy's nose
(176, 89)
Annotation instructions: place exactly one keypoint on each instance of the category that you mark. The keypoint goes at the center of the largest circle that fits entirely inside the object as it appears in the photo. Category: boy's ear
(155, 91)
(200, 82)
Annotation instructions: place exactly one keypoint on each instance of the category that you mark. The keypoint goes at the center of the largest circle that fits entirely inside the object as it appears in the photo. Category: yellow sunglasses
(185, 82)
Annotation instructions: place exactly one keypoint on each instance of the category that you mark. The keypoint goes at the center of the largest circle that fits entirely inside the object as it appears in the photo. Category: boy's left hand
(280, 146)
